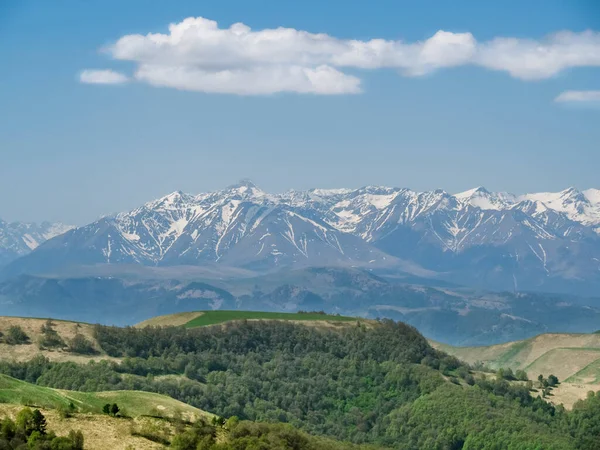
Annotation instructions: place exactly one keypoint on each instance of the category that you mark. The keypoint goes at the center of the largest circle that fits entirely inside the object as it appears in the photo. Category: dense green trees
(28, 431)
(248, 435)
(379, 385)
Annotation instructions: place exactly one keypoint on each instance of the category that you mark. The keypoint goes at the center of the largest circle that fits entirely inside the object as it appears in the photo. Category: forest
(382, 385)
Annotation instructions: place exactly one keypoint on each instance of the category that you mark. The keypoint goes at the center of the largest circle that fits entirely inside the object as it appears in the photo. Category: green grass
(216, 317)
(132, 403)
(510, 356)
(21, 393)
(590, 374)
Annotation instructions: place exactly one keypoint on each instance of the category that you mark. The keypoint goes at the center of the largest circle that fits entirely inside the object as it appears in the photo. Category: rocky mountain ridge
(543, 241)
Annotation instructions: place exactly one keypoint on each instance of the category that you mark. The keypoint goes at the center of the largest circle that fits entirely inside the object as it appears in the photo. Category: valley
(442, 312)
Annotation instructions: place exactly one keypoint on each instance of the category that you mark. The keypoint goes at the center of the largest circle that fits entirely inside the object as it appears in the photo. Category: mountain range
(18, 238)
(499, 241)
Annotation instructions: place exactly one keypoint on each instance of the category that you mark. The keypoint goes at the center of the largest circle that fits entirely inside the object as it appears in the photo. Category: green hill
(133, 403)
(146, 424)
(382, 385)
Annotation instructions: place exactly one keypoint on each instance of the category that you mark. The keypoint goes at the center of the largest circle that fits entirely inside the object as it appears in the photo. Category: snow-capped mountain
(493, 240)
(240, 226)
(18, 238)
(498, 240)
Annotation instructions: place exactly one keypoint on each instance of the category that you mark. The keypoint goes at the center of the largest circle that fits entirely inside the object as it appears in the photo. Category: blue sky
(72, 150)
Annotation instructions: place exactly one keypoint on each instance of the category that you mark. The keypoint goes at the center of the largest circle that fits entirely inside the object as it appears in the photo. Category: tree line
(382, 385)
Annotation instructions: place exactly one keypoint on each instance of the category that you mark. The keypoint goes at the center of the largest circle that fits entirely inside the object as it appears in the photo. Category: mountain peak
(244, 182)
(472, 192)
(570, 192)
(480, 197)
(172, 199)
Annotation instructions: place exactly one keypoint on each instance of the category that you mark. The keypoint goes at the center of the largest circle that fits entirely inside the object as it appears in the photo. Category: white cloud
(534, 60)
(102, 77)
(578, 96)
(197, 55)
(254, 80)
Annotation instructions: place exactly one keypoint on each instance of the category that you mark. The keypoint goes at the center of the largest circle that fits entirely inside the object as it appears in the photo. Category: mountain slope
(18, 238)
(546, 241)
(573, 358)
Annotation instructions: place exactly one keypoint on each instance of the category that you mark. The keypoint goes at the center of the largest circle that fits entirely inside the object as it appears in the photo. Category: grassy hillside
(573, 358)
(133, 403)
(99, 431)
(530, 354)
(149, 421)
(204, 318)
(381, 384)
(32, 327)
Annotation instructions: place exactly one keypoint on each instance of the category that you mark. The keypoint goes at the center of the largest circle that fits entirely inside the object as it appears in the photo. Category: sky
(108, 104)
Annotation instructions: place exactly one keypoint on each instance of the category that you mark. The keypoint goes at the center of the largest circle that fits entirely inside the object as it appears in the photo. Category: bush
(16, 336)
(79, 344)
(505, 374)
(111, 409)
(521, 375)
(50, 337)
(67, 411)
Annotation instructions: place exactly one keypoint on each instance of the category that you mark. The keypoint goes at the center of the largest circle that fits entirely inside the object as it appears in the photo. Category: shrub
(50, 337)
(79, 344)
(16, 336)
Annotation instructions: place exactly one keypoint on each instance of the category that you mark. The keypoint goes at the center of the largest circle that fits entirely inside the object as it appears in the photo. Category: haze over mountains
(18, 239)
(543, 241)
(430, 259)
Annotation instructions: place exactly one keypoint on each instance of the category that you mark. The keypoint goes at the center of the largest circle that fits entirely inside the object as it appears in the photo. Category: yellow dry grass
(563, 355)
(323, 324)
(100, 432)
(568, 393)
(176, 320)
(562, 362)
(521, 354)
(66, 330)
(543, 343)
(471, 355)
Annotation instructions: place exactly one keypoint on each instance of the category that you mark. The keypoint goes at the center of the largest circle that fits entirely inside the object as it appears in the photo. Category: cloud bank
(197, 55)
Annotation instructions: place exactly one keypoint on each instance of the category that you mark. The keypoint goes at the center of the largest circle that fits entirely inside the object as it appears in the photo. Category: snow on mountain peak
(480, 197)
(245, 188)
(471, 192)
(243, 226)
(573, 203)
(19, 238)
(592, 195)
